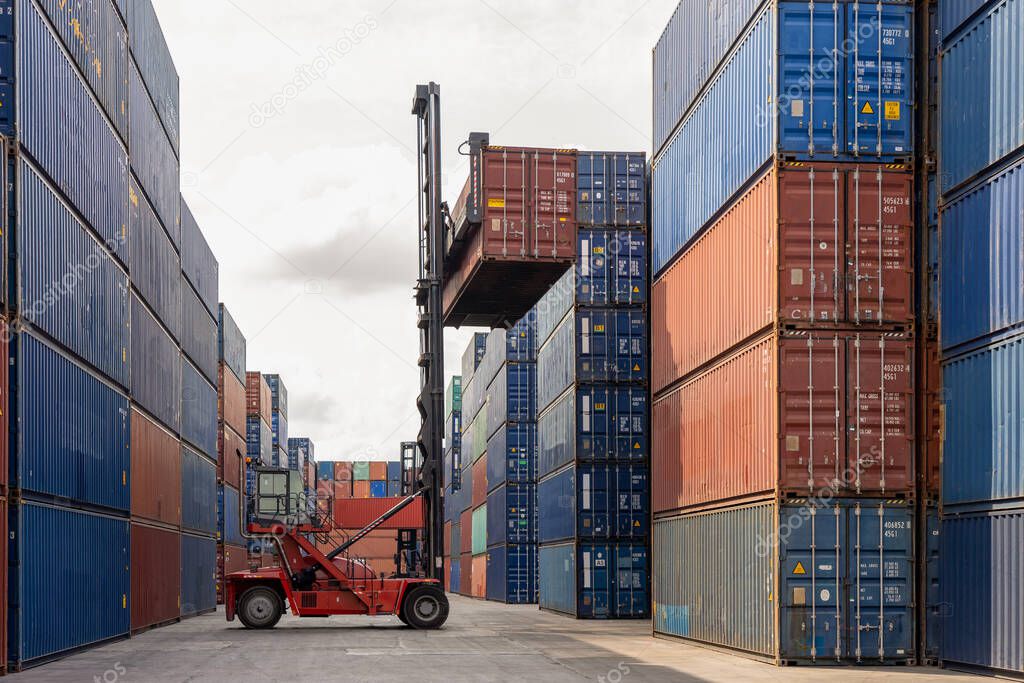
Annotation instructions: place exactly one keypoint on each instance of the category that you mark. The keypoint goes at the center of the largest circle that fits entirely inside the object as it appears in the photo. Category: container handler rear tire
(260, 607)
(425, 607)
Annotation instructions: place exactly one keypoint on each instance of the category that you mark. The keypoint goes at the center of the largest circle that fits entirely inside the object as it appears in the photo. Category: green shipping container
(453, 396)
(475, 436)
(361, 471)
(480, 530)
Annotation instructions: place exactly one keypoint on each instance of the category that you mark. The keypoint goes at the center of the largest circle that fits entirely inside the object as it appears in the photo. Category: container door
(811, 440)
(811, 564)
(879, 278)
(631, 515)
(811, 224)
(810, 100)
(594, 500)
(631, 597)
(596, 569)
(629, 271)
(629, 440)
(592, 278)
(880, 413)
(879, 79)
(879, 553)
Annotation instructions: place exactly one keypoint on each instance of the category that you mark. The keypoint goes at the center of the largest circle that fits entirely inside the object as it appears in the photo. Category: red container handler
(155, 471)
(257, 396)
(231, 449)
(798, 413)
(515, 232)
(801, 248)
(231, 399)
(357, 513)
(155, 576)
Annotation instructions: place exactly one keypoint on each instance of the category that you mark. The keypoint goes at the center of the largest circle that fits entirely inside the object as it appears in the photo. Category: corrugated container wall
(198, 410)
(198, 332)
(198, 574)
(198, 493)
(155, 576)
(149, 47)
(198, 262)
(154, 264)
(155, 472)
(153, 160)
(230, 343)
(156, 368)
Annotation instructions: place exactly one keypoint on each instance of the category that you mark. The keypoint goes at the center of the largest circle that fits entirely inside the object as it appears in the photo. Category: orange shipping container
(479, 580)
(799, 413)
(802, 247)
(447, 544)
(360, 512)
(360, 489)
(257, 396)
(231, 399)
(342, 471)
(379, 544)
(231, 448)
(466, 574)
(155, 471)
(378, 471)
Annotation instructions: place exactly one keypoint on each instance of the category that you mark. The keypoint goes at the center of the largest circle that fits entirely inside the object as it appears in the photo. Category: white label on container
(585, 333)
(797, 108)
(796, 276)
(586, 491)
(586, 569)
(586, 414)
(825, 595)
(585, 258)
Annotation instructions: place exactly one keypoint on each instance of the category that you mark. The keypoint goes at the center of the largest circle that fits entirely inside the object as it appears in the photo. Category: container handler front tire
(425, 607)
(260, 607)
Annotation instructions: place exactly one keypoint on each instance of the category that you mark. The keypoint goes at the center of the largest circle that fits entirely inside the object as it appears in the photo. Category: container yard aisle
(481, 641)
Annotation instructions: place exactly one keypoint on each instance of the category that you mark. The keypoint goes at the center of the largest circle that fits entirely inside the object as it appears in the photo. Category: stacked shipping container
(279, 423)
(980, 193)
(592, 432)
(782, 318)
(467, 495)
(231, 448)
(96, 226)
(452, 481)
(508, 470)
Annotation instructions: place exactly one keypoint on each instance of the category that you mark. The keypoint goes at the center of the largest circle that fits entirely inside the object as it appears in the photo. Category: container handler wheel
(260, 607)
(425, 607)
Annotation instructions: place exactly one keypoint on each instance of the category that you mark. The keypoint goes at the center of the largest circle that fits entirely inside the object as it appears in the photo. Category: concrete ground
(483, 641)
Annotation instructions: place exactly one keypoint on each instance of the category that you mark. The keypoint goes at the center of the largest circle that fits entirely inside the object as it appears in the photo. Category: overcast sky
(297, 160)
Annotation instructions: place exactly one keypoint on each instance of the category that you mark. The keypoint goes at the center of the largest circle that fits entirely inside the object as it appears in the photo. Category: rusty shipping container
(231, 448)
(230, 559)
(378, 471)
(155, 472)
(231, 399)
(360, 489)
(465, 574)
(466, 535)
(357, 513)
(514, 235)
(799, 413)
(155, 576)
(257, 396)
(478, 582)
(808, 245)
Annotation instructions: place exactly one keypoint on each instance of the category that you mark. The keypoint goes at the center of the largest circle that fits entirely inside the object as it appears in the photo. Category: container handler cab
(312, 583)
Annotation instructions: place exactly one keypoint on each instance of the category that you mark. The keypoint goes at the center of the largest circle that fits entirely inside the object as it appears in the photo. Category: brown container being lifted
(794, 413)
(257, 396)
(231, 399)
(513, 235)
(802, 249)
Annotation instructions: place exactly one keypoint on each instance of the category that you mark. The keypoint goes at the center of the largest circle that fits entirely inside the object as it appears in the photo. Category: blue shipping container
(983, 444)
(83, 155)
(154, 264)
(831, 103)
(324, 470)
(612, 267)
(378, 489)
(68, 285)
(230, 343)
(981, 575)
(472, 356)
(156, 368)
(152, 158)
(593, 345)
(229, 523)
(279, 428)
(594, 580)
(598, 423)
(455, 581)
(611, 188)
(73, 434)
(198, 574)
(594, 502)
(98, 42)
(56, 604)
(149, 47)
(278, 394)
(845, 571)
(198, 492)
(982, 264)
(512, 396)
(953, 14)
(198, 410)
(512, 514)
(394, 488)
(197, 260)
(689, 50)
(521, 339)
(394, 470)
(981, 94)
(512, 454)
(512, 574)
(198, 332)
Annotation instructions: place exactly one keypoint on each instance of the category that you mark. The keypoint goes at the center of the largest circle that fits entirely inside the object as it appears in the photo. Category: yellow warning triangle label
(636, 445)
(799, 568)
(866, 109)
(636, 367)
(636, 290)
